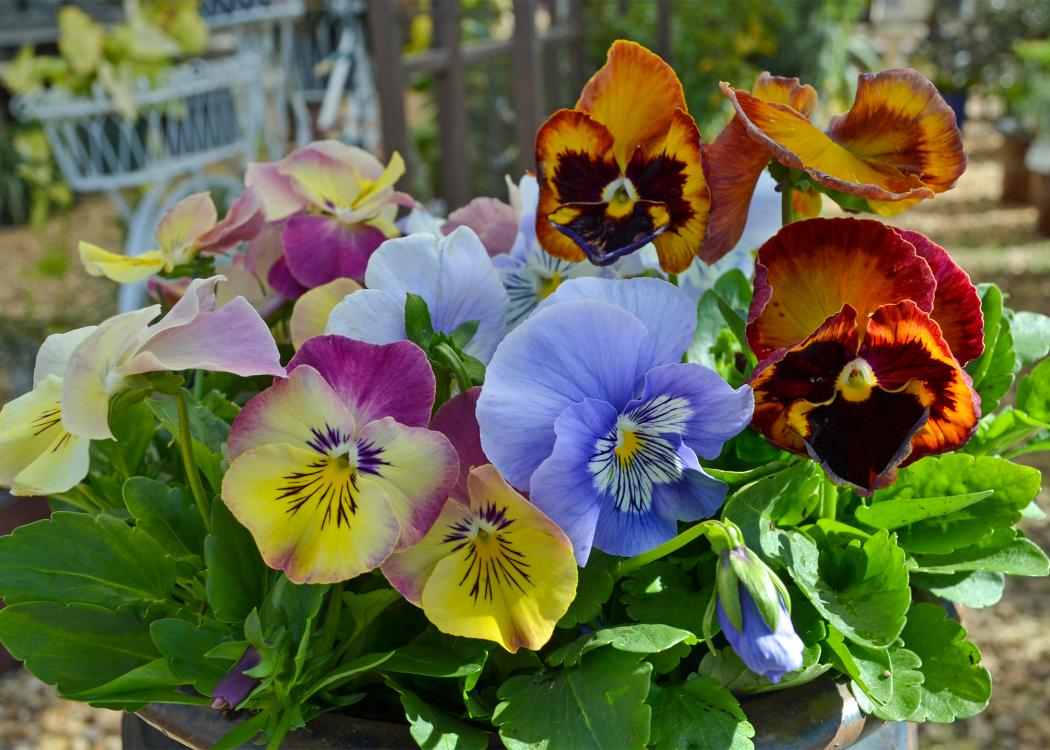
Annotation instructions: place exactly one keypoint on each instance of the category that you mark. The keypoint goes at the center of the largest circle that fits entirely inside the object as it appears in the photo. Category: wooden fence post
(664, 39)
(384, 30)
(450, 90)
(525, 66)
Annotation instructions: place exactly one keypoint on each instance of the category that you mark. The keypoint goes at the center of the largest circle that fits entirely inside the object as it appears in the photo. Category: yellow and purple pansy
(862, 330)
(332, 469)
(189, 227)
(44, 434)
(493, 566)
(897, 145)
(335, 203)
(588, 406)
(623, 168)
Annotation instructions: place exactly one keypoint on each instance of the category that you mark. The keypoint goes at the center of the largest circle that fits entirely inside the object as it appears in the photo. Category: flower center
(856, 380)
(489, 558)
(548, 285)
(628, 442)
(620, 197)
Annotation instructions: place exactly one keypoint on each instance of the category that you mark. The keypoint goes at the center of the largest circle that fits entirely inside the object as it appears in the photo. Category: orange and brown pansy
(865, 394)
(624, 168)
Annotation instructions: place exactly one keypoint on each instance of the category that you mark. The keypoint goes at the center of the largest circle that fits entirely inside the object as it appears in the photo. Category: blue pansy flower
(588, 406)
(453, 275)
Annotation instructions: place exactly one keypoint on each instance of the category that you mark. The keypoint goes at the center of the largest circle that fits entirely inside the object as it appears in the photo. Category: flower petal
(956, 306)
(370, 315)
(301, 410)
(37, 455)
(696, 402)
(665, 311)
(278, 192)
(906, 351)
(900, 119)
(92, 377)
(574, 159)
(307, 516)
(373, 381)
(408, 570)
(810, 269)
(123, 269)
(510, 586)
(280, 278)
(558, 357)
(787, 91)
(634, 95)
(456, 420)
(183, 224)
(328, 173)
(795, 142)
(242, 222)
(311, 311)
(319, 249)
(495, 223)
(54, 354)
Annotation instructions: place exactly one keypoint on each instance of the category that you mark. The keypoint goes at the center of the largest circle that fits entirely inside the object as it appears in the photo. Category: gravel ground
(992, 241)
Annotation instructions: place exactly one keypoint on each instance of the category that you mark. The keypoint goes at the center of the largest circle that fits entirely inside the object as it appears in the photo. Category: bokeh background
(456, 88)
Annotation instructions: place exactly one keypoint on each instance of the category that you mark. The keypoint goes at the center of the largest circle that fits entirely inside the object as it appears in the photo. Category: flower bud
(752, 611)
(236, 685)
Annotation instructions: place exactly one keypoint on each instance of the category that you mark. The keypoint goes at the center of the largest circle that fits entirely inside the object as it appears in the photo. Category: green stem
(443, 390)
(787, 206)
(189, 463)
(829, 500)
(671, 545)
(454, 364)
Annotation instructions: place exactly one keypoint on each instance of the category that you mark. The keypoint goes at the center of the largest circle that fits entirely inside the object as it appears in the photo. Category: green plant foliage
(886, 682)
(236, 577)
(634, 639)
(166, 514)
(597, 704)
(433, 728)
(993, 372)
(664, 593)
(724, 666)
(698, 713)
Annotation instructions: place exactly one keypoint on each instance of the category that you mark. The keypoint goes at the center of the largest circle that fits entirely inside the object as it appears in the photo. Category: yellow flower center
(619, 197)
(548, 286)
(628, 443)
(856, 380)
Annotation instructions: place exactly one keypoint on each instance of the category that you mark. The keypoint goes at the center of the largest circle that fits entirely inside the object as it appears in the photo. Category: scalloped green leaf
(698, 714)
(954, 686)
(886, 682)
(867, 601)
(596, 705)
(636, 639)
(663, 593)
(593, 590)
(1033, 392)
(168, 516)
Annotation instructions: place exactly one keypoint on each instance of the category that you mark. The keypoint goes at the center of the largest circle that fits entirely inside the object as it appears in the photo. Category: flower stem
(671, 545)
(454, 364)
(787, 206)
(189, 463)
(331, 618)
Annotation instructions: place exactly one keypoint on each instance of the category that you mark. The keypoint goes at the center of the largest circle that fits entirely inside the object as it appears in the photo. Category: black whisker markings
(61, 443)
(628, 479)
(46, 421)
(369, 458)
(489, 557)
(328, 439)
(336, 495)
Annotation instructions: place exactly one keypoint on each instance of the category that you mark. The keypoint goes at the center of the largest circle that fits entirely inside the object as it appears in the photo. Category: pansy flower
(898, 144)
(493, 221)
(332, 468)
(336, 204)
(189, 227)
(588, 406)
(45, 434)
(453, 275)
(492, 566)
(623, 168)
(862, 331)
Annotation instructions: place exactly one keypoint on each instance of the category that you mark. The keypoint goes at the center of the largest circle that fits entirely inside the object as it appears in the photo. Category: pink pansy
(333, 468)
(189, 227)
(336, 204)
(193, 335)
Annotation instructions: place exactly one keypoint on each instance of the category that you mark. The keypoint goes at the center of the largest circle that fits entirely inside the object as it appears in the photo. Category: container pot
(1038, 162)
(821, 715)
(1017, 187)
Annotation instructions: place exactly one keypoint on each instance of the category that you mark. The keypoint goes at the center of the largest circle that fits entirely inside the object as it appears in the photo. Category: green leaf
(886, 682)
(347, 671)
(1031, 332)
(75, 557)
(867, 600)
(434, 729)
(1004, 551)
(954, 685)
(462, 334)
(245, 732)
(236, 576)
(597, 705)
(698, 714)
(935, 484)
(186, 647)
(76, 646)
(418, 326)
(635, 639)
(433, 662)
(662, 592)
(757, 507)
(208, 433)
(999, 433)
(166, 515)
(729, 670)
(593, 590)
(80, 40)
(976, 589)
(1033, 392)
(993, 372)
(150, 683)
